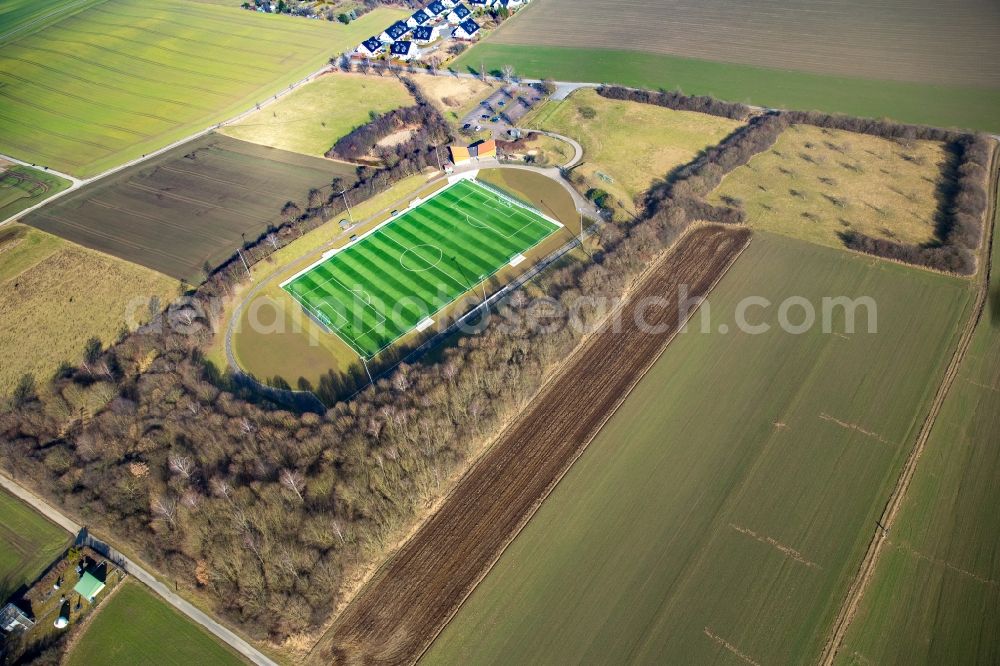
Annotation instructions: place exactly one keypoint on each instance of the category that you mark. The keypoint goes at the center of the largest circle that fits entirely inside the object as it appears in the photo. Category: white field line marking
(337, 250)
(463, 287)
(380, 318)
(497, 193)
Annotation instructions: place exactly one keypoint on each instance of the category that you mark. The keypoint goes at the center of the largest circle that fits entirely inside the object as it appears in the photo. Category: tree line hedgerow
(272, 513)
(268, 512)
(961, 217)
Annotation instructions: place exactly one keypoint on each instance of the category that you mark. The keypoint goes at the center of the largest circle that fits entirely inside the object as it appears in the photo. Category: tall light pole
(367, 371)
(349, 213)
(239, 251)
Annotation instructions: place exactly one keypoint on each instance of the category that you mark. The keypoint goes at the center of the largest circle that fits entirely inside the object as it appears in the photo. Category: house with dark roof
(371, 47)
(426, 34)
(479, 4)
(394, 32)
(459, 14)
(467, 30)
(419, 18)
(436, 8)
(404, 50)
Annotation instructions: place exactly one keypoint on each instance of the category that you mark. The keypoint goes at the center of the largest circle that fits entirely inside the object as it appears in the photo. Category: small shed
(89, 586)
(13, 618)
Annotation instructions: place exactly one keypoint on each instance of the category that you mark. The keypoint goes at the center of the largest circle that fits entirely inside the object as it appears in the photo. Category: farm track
(870, 562)
(413, 596)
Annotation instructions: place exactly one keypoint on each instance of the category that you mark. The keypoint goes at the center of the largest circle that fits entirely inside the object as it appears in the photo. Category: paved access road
(140, 574)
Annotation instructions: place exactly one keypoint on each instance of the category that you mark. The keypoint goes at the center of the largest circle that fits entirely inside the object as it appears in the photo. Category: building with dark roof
(425, 34)
(394, 32)
(466, 30)
(371, 47)
(420, 17)
(403, 50)
(459, 14)
(436, 8)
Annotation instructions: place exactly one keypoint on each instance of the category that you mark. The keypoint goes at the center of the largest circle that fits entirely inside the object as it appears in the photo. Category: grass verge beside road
(945, 106)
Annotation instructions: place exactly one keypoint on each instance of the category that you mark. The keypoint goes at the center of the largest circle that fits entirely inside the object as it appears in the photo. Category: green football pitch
(398, 276)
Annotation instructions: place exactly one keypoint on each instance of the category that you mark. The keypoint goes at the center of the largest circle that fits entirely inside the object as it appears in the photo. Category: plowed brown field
(398, 614)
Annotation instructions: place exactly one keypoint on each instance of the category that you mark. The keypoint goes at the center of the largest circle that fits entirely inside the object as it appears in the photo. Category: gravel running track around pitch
(388, 282)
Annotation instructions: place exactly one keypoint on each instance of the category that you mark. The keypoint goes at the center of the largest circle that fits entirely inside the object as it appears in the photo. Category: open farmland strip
(411, 598)
(119, 72)
(866, 571)
(80, 98)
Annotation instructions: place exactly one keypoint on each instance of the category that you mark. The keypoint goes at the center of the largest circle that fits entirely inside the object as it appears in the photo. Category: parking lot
(501, 111)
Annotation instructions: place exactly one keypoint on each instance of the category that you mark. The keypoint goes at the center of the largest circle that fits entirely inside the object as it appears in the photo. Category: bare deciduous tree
(294, 481)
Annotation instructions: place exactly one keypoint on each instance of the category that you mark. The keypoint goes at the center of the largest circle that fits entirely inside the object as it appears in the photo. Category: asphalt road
(140, 574)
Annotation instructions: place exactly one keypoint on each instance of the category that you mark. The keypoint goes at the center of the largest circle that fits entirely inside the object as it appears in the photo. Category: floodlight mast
(367, 371)
(349, 213)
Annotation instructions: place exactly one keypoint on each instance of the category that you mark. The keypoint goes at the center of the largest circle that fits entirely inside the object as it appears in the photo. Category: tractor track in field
(866, 570)
(410, 599)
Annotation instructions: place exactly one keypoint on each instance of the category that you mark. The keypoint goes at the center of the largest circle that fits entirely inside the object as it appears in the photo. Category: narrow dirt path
(868, 565)
(397, 615)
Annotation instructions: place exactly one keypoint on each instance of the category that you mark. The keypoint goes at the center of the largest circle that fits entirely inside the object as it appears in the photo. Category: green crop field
(311, 119)
(28, 543)
(722, 512)
(22, 187)
(396, 278)
(95, 88)
(932, 104)
(135, 627)
(935, 596)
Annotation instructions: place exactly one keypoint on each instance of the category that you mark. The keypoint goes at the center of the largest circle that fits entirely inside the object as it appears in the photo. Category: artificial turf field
(395, 278)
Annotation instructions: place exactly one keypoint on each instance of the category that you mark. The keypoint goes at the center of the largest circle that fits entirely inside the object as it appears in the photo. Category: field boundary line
(581, 449)
(866, 570)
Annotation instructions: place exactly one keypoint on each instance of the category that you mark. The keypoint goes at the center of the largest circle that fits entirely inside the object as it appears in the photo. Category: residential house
(404, 50)
(467, 30)
(394, 32)
(436, 9)
(459, 14)
(419, 18)
(426, 34)
(370, 48)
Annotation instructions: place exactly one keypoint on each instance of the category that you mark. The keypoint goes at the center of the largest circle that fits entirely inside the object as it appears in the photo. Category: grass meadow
(97, 88)
(54, 296)
(931, 104)
(28, 543)
(135, 627)
(634, 144)
(816, 183)
(938, 575)
(311, 119)
(722, 512)
(22, 187)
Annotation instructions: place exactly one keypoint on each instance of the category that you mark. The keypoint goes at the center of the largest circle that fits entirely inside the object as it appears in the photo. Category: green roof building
(89, 586)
